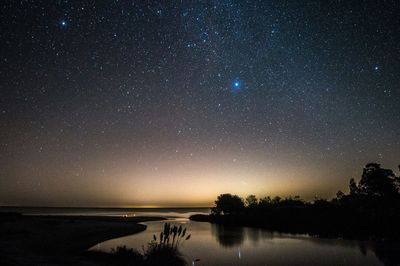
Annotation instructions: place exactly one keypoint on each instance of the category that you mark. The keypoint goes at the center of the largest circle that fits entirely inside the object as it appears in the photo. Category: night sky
(170, 103)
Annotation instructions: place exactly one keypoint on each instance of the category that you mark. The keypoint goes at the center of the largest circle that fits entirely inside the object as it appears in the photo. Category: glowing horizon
(172, 104)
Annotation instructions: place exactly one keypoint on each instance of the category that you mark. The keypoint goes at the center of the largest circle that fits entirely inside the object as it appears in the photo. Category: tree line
(371, 208)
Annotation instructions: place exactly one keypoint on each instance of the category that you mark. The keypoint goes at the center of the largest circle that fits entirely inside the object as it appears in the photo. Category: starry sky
(171, 103)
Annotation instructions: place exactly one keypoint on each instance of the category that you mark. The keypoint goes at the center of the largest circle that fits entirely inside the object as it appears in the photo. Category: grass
(161, 251)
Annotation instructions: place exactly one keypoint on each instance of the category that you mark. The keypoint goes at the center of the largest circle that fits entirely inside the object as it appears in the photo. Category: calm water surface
(222, 245)
(124, 212)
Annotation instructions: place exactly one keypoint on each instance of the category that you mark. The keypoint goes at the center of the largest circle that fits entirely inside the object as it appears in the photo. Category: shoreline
(60, 240)
(313, 227)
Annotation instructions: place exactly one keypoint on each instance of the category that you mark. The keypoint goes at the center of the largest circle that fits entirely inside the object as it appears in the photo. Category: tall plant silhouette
(170, 237)
(165, 249)
(162, 251)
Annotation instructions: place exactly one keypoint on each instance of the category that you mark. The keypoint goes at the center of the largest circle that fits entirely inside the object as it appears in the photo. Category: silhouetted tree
(353, 187)
(276, 200)
(264, 202)
(321, 203)
(289, 202)
(339, 195)
(251, 201)
(228, 204)
(378, 182)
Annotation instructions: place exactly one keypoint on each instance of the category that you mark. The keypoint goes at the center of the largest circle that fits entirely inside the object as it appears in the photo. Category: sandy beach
(59, 240)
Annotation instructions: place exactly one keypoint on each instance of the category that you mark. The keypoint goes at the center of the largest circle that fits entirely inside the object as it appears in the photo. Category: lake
(226, 245)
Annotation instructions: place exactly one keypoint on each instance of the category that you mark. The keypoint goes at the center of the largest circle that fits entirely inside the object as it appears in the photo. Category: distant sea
(119, 212)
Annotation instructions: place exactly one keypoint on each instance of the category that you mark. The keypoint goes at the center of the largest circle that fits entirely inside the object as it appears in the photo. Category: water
(119, 212)
(224, 245)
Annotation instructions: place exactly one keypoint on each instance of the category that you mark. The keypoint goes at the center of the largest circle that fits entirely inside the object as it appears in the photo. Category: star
(231, 87)
(236, 85)
(63, 23)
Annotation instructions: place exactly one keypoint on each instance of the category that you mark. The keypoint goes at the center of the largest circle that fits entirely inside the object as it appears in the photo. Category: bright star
(236, 85)
(63, 23)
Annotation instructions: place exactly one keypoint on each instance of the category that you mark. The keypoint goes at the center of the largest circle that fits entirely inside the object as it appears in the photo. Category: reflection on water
(227, 245)
(228, 236)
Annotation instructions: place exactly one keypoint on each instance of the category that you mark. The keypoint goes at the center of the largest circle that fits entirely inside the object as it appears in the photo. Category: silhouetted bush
(163, 256)
(123, 255)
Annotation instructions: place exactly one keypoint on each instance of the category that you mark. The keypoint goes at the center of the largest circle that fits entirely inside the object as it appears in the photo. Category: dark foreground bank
(59, 240)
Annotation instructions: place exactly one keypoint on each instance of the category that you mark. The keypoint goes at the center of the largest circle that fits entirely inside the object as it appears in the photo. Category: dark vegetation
(370, 210)
(60, 240)
(163, 250)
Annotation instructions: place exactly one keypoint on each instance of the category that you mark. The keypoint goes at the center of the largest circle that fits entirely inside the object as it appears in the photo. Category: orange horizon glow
(194, 181)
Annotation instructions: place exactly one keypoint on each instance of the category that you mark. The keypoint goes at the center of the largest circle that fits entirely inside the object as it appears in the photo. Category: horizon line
(109, 207)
